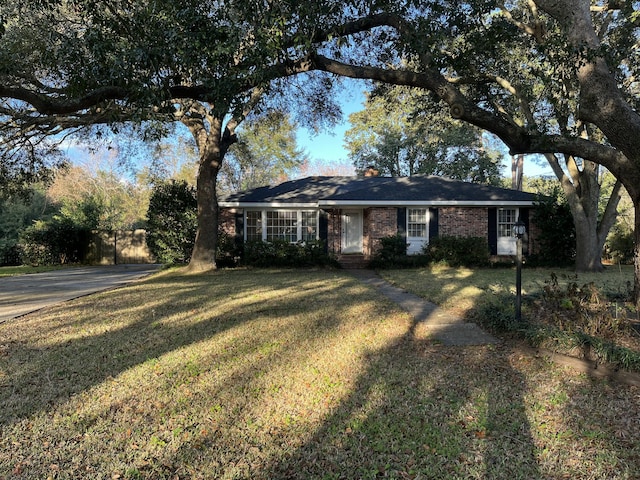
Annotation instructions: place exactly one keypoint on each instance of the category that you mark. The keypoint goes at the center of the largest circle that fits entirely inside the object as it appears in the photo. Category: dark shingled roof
(377, 190)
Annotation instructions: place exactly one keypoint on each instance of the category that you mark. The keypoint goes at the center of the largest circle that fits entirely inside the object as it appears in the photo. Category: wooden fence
(119, 247)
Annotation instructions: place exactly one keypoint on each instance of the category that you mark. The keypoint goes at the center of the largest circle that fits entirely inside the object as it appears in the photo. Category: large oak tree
(68, 65)
(206, 64)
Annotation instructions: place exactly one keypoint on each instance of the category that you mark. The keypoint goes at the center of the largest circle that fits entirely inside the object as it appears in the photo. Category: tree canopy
(266, 152)
(545, 76)
(66, 66)
(402, 132)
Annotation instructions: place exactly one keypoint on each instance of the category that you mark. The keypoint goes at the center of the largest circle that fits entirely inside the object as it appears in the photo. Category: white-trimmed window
(290, 225)
(417, 229)
(417, 222)
(507, 217)
(253, 225)
(309, 226)
(282, 225)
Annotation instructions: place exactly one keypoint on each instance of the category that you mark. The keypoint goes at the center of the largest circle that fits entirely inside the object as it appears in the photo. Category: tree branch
(358, 26)
(514, 136)
(518, 139)
(60, 105)
(611, 211)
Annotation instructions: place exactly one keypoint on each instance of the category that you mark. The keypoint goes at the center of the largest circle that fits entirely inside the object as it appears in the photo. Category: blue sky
(329, 145)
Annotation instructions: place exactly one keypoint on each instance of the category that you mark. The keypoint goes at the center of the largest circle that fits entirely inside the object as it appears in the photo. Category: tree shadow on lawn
(599, 423)
(419, 410)
(412, 408)
(42, 367)
(423, 410)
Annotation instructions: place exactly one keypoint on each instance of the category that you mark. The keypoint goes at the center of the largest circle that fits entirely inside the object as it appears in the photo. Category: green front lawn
(26, 269)
(268, 374)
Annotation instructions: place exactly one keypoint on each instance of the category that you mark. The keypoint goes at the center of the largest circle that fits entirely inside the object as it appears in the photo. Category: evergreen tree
(172, 221)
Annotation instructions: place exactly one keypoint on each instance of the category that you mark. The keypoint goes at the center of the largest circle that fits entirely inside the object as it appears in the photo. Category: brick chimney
(371, 171)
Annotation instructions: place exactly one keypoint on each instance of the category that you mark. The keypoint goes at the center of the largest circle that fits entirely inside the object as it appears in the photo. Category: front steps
(352, 261)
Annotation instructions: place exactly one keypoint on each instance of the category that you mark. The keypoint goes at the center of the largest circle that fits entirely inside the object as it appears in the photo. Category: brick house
(352, 214)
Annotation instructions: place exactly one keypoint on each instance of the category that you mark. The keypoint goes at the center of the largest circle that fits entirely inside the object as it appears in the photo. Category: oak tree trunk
(636, 253)
(204, 250)
(588, 246)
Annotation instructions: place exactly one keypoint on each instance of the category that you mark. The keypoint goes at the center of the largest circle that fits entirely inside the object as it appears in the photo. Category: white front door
(507, 217)
(352, 231)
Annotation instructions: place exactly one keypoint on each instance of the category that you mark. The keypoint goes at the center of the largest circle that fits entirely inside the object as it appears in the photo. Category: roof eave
(426, 203)
(268, 204)
(381, 203)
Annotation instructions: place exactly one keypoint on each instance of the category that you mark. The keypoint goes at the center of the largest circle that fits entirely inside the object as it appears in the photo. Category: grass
(587, 315)
(26, 269)
(269, 374)
(460, 288)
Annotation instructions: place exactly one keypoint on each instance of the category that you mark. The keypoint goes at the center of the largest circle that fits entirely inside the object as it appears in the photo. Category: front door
(352, 231)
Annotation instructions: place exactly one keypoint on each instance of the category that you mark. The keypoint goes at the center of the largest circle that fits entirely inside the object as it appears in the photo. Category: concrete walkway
(447, 328)
(24, 294)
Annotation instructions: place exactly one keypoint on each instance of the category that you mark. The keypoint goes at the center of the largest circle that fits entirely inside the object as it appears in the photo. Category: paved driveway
(23, 294)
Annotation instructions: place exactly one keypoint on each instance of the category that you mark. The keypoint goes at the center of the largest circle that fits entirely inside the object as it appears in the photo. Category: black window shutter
(402, 222)
(492, 234)
(323, 229)
(239, 236)
(524, 216)
(433, 222)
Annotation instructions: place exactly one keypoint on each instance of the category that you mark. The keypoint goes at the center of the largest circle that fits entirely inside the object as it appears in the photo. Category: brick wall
(532, 246)
(334, 231)
(227, 221)
(463, 221)
(378, 223)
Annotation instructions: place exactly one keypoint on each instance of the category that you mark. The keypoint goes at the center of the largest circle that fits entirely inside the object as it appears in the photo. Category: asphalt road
(24, 294)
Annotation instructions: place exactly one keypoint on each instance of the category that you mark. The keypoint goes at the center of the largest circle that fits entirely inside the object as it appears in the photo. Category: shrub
(391, 247)
(58, 241)
(393, 254)
(11, 255)
(574, 317)
(556, 234)
(495, 312)
(172, 221)
(620, 246)
(280, 253)
(458, 251)
(574, 308)
(228, 251)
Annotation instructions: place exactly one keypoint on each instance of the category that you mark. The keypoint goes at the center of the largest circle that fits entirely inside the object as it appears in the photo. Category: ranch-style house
(351, 214)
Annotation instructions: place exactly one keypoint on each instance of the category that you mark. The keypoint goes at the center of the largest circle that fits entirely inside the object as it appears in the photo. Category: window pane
(309, 226)
(417, 222)
(506, 220)
(254, 225)
(282, 225)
